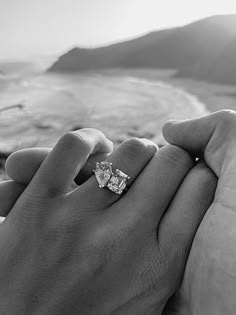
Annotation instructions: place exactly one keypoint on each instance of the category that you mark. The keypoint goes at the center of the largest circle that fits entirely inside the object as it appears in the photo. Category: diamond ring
(116, 182)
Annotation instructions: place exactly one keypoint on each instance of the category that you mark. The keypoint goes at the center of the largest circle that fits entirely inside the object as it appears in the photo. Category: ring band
(116, 182)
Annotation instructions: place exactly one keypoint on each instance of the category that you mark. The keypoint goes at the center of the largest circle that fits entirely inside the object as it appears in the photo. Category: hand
(85, 250)
(22, 165)
(209, 283)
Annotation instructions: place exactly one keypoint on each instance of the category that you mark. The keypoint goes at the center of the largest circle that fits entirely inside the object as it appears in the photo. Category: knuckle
(104, 243)
(138, 147)
(97, 239)
(175, 155)
(68, 139)
(100, 249)
(72, 139)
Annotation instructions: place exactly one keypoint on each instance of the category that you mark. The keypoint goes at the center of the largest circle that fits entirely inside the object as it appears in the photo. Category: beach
(35, 110)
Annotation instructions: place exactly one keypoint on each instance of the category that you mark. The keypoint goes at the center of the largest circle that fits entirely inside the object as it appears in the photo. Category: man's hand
(85, 250)
(209, 284)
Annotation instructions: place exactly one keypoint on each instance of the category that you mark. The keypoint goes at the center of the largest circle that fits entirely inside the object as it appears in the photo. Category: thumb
(212, 136)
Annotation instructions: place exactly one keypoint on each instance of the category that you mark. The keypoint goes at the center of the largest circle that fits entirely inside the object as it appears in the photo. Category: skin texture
(85, 250)
(209, 283)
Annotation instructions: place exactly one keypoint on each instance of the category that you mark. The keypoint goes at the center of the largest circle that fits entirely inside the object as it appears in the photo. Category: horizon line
(105, 44)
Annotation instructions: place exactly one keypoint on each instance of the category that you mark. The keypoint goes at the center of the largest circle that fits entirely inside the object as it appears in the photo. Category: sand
(36, 110)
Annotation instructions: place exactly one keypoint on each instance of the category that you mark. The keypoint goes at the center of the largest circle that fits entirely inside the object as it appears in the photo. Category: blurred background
(124, 67)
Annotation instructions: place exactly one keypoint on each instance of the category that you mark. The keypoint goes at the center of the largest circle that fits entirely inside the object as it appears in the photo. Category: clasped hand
(79, 249)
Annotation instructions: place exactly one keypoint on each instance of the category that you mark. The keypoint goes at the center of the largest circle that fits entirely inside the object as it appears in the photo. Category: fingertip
(12, 164)
(8, 164)
(9, 193)
(150, 144)
(170, 128)
(177, 156)
(22, 165)
(167, 129)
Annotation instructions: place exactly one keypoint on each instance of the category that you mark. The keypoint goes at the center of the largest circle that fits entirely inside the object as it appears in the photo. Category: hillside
(204, 49)
(115, 55)
(220, 69)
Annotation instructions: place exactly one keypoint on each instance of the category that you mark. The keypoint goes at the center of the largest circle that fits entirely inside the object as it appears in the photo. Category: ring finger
(130, 157)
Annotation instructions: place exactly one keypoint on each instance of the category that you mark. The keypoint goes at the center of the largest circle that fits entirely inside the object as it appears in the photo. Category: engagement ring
(116, 182)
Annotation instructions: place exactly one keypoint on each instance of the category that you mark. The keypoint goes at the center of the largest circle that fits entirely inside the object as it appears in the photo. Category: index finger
(22, 165)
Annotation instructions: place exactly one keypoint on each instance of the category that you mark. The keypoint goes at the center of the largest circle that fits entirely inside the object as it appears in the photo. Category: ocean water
(37, 110)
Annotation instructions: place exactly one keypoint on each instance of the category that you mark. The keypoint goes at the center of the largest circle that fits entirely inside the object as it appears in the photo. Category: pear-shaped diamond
(103, 173)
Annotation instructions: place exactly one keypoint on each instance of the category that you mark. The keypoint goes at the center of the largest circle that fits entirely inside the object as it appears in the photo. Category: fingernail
(172, 121)
(149, 142)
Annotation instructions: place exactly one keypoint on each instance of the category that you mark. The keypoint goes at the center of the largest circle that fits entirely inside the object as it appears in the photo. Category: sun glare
(53, 26)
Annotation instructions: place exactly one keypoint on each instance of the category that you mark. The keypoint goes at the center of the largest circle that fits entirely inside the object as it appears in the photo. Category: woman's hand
(209, 284)
(86, 250)
(22, 165)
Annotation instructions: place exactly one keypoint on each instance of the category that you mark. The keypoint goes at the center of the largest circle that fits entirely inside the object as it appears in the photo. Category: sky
(30, 28)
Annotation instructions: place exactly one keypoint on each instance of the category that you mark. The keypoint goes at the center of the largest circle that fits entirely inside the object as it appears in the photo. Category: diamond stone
(117, 182)
(103, 173)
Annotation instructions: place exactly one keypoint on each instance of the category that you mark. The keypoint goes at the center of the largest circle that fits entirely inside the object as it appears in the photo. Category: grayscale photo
(117, 157)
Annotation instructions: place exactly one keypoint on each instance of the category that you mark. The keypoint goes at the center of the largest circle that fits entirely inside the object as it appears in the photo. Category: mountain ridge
(194, 50)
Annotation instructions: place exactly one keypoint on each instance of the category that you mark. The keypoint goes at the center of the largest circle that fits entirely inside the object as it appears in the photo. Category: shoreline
(204, 97)
(214, 96)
